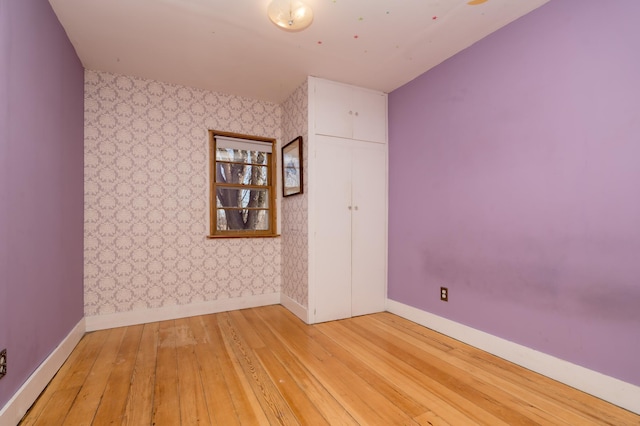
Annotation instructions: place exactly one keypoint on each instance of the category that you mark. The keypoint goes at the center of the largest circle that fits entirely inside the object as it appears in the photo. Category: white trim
(23, 399)
(121, 319)
(295, 308)
(610, 389)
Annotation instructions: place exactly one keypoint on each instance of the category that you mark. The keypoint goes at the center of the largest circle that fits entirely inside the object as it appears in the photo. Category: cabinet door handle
(356, 113)
(350, 207)
(350, 112)
(355, 208)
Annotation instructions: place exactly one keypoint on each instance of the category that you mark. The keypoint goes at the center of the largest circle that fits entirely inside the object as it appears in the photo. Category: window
(242, 176)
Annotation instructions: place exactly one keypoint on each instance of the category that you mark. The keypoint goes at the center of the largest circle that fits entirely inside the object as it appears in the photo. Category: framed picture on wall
(292, 167)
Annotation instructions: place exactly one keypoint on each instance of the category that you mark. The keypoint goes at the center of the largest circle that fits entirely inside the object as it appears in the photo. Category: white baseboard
(610, 389)
(22, 400)
(122, 319)
(295, 308)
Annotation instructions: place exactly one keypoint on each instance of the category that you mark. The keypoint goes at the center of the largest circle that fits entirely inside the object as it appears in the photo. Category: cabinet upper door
(369, 116)
(332, 101)
(350, 112)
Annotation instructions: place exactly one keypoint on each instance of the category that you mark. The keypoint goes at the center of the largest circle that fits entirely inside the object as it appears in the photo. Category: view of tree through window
(242, 184)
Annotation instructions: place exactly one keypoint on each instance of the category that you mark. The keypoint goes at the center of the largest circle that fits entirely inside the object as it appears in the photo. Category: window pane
(242, 198)
(242, 220)
(242, 174)
(241, 156)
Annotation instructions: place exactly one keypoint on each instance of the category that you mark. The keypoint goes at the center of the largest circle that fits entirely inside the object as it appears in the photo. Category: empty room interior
(319, 212)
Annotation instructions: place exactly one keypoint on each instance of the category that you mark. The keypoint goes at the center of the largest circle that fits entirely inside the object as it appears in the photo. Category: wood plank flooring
(263, 366)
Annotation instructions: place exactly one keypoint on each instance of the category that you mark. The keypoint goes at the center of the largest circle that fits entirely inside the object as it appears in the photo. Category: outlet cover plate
(444, 294)
(3, 363)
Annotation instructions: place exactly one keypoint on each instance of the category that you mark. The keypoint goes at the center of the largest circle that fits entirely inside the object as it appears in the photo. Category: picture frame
(292, 183)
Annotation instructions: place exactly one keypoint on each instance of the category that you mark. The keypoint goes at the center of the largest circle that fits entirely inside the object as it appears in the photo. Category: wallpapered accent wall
(146, 195)
(294, 209)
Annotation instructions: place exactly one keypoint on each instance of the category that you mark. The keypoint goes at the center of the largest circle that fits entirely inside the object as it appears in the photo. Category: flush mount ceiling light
(290, 15)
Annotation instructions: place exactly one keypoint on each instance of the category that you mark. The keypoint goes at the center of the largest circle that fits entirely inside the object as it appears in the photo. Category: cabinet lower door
(350, 225)
(369, 229)
(332, 254)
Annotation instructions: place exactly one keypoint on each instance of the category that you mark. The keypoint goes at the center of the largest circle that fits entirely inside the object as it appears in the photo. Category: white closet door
(332, 287)
(369, 231)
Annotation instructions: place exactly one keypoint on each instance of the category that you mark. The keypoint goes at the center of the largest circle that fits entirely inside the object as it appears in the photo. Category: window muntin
(242, 185)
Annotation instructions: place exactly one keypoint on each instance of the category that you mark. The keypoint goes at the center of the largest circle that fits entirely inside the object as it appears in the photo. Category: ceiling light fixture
(290, 15)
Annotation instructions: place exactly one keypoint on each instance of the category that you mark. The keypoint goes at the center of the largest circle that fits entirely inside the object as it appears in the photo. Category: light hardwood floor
(263, 366)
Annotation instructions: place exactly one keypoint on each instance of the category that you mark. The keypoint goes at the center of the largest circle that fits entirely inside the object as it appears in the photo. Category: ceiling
(230, 46)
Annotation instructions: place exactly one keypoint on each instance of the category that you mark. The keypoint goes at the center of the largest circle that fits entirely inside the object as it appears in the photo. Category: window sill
(214, 237)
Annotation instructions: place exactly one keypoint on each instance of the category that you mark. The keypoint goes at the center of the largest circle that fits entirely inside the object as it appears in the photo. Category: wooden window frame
(271, 187)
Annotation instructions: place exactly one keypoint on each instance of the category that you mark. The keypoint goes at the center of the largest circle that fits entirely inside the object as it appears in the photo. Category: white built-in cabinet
(350, 112)
(347, 201)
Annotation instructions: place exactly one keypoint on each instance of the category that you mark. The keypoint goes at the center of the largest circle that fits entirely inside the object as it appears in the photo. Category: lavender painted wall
(41, 187)
(515, 181)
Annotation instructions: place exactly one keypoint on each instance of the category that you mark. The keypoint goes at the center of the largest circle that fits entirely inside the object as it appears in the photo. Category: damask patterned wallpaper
(294, 208)
(146, 194)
